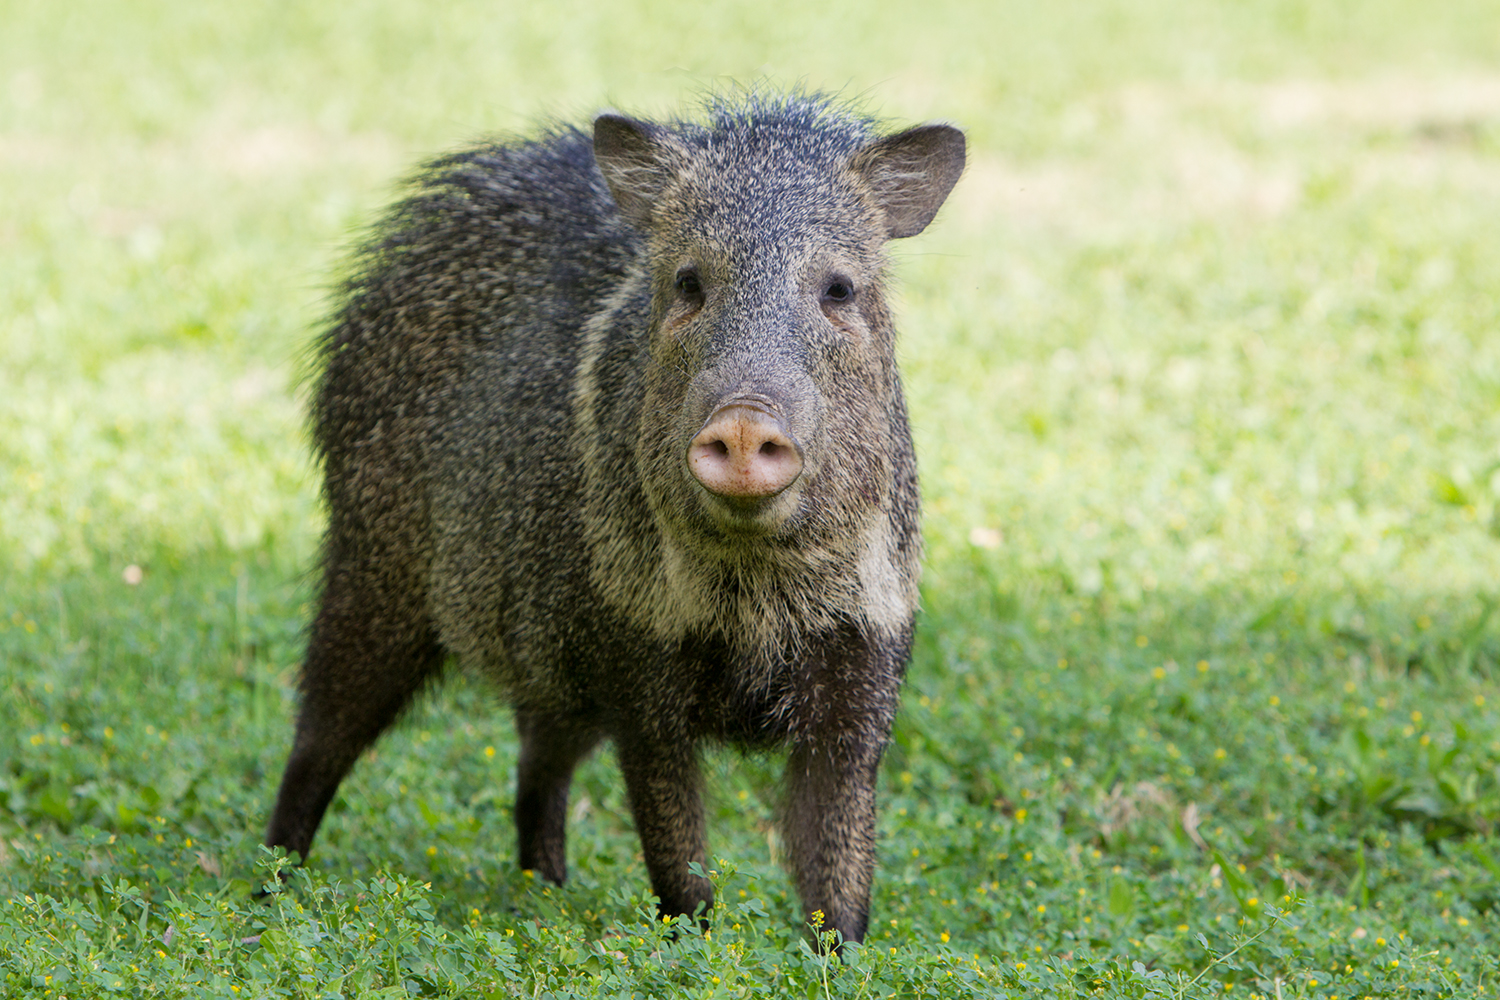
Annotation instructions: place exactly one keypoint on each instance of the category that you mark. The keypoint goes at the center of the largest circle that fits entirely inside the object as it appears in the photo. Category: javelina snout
(613, 418)
(744, 451)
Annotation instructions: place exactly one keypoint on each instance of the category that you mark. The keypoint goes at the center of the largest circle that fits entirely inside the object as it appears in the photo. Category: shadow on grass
(1298, 731)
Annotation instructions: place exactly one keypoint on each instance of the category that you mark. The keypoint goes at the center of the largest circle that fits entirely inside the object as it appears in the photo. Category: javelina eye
(688, 284)
(838, 290)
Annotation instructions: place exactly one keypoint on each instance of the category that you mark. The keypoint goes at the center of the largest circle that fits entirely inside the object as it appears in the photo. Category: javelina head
(772, 401)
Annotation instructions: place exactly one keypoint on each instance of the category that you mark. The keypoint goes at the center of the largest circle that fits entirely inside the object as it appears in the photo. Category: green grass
(1204, 366)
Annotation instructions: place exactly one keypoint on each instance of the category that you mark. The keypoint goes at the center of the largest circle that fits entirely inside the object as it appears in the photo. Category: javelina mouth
(748, 512)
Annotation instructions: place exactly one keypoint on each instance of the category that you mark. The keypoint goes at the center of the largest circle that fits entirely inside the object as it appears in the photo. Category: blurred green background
(1235, 248)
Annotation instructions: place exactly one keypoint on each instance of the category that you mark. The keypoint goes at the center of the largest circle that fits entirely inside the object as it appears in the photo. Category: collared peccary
(614, 419)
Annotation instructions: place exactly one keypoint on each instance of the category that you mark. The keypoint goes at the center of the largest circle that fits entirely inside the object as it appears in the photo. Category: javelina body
(615, 420)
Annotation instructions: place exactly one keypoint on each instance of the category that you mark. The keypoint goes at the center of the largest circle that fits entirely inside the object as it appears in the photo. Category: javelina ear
(638, 161)
(911, 173)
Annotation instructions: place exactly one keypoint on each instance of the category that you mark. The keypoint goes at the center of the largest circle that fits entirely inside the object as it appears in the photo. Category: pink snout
(744, 452)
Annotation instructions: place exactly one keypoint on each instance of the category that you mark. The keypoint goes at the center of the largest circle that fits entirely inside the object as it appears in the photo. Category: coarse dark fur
(506, 399)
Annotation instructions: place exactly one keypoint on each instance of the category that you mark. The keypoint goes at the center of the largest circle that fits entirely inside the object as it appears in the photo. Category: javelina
(615, 420)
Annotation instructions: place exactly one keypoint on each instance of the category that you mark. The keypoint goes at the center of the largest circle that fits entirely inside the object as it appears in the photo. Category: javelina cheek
(843, 346)
(848, 332)
(677, 325)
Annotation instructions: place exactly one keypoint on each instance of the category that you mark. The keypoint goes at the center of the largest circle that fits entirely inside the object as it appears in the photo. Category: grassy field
(1204, 366)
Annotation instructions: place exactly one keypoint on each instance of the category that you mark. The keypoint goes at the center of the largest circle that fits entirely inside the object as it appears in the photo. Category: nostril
(720, 448)
(769, 448)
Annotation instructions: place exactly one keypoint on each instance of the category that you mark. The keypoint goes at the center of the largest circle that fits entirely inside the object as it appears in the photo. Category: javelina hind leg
(664, 785)
(370, 650)
(550, 750)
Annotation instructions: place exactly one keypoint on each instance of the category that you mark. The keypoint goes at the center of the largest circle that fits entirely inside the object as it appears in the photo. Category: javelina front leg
(366, 658)
(663, 782)
(550, 750)
(830, 831)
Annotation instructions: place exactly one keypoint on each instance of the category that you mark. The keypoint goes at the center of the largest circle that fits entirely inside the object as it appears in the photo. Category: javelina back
(615, 420)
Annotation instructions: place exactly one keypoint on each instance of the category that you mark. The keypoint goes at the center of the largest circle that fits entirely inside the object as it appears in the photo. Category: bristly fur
(503, 409)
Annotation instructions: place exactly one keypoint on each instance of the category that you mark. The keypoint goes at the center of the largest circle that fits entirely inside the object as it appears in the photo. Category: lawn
(1203, 359)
